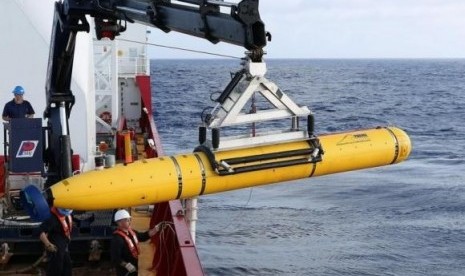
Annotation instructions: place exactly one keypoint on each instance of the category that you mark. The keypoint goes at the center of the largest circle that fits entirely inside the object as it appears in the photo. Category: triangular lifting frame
(236, 95)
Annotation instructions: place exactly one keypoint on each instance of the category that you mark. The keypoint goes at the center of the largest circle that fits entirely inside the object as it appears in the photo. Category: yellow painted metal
(184, 176)
(363, 149)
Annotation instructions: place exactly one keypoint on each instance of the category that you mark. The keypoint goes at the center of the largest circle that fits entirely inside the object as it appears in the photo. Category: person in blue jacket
(18, 107)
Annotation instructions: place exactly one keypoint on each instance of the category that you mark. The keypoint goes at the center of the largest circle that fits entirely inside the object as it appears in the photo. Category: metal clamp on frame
(245, 84)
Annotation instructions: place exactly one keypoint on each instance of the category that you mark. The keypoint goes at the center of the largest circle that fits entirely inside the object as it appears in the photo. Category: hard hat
(65, 212)
(122, 214)
(19, 90)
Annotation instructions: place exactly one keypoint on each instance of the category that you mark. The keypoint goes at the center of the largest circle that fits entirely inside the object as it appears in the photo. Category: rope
(163, 245)
(179, 48)
(26, 269)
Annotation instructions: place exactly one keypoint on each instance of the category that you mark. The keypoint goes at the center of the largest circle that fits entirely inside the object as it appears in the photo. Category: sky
(345, 29)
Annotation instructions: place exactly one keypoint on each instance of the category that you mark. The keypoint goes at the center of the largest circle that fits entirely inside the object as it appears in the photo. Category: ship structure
(96, 148)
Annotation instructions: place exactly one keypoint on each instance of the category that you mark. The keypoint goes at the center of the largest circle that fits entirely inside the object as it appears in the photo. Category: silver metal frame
(229, 113)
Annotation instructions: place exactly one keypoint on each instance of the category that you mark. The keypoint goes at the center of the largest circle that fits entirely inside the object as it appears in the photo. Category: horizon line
(317, 58)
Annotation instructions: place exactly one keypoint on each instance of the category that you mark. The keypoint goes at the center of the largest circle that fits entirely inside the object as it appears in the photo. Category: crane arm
(204, 19)
(200, 18)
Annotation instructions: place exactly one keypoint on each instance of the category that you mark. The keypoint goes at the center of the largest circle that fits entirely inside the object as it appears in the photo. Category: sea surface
(405, 219)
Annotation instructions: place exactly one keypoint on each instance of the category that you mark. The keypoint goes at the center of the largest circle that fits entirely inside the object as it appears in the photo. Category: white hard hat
(122, 214)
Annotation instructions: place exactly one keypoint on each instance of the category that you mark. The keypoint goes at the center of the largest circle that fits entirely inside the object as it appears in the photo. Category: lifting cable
(179, 48)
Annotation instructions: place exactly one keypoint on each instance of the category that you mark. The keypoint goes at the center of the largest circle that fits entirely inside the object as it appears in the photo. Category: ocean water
(406, 219)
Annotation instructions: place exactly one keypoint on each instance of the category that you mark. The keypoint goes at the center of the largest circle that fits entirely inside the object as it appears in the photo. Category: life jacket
(65, 221)
(133, 244)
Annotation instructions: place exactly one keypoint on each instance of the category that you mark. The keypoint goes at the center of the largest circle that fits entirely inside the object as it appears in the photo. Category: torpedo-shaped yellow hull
(190, 175)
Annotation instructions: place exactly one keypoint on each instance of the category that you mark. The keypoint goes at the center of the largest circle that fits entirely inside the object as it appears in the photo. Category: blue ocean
(405, 219)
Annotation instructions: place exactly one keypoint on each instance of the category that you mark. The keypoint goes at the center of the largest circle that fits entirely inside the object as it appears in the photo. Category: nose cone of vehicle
(404, 144)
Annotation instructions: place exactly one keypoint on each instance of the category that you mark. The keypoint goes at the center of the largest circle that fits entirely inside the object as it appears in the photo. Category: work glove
(130, 268)
(51, 247)
(158, 227)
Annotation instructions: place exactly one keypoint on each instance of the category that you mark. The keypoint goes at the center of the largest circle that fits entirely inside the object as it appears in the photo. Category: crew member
(124, 245)
(56, 235)
(18, 107)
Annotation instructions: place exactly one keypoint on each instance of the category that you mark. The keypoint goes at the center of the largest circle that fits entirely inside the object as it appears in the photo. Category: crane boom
(242, 26)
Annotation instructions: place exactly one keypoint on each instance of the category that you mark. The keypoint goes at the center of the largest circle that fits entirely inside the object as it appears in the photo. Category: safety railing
(132, 65)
